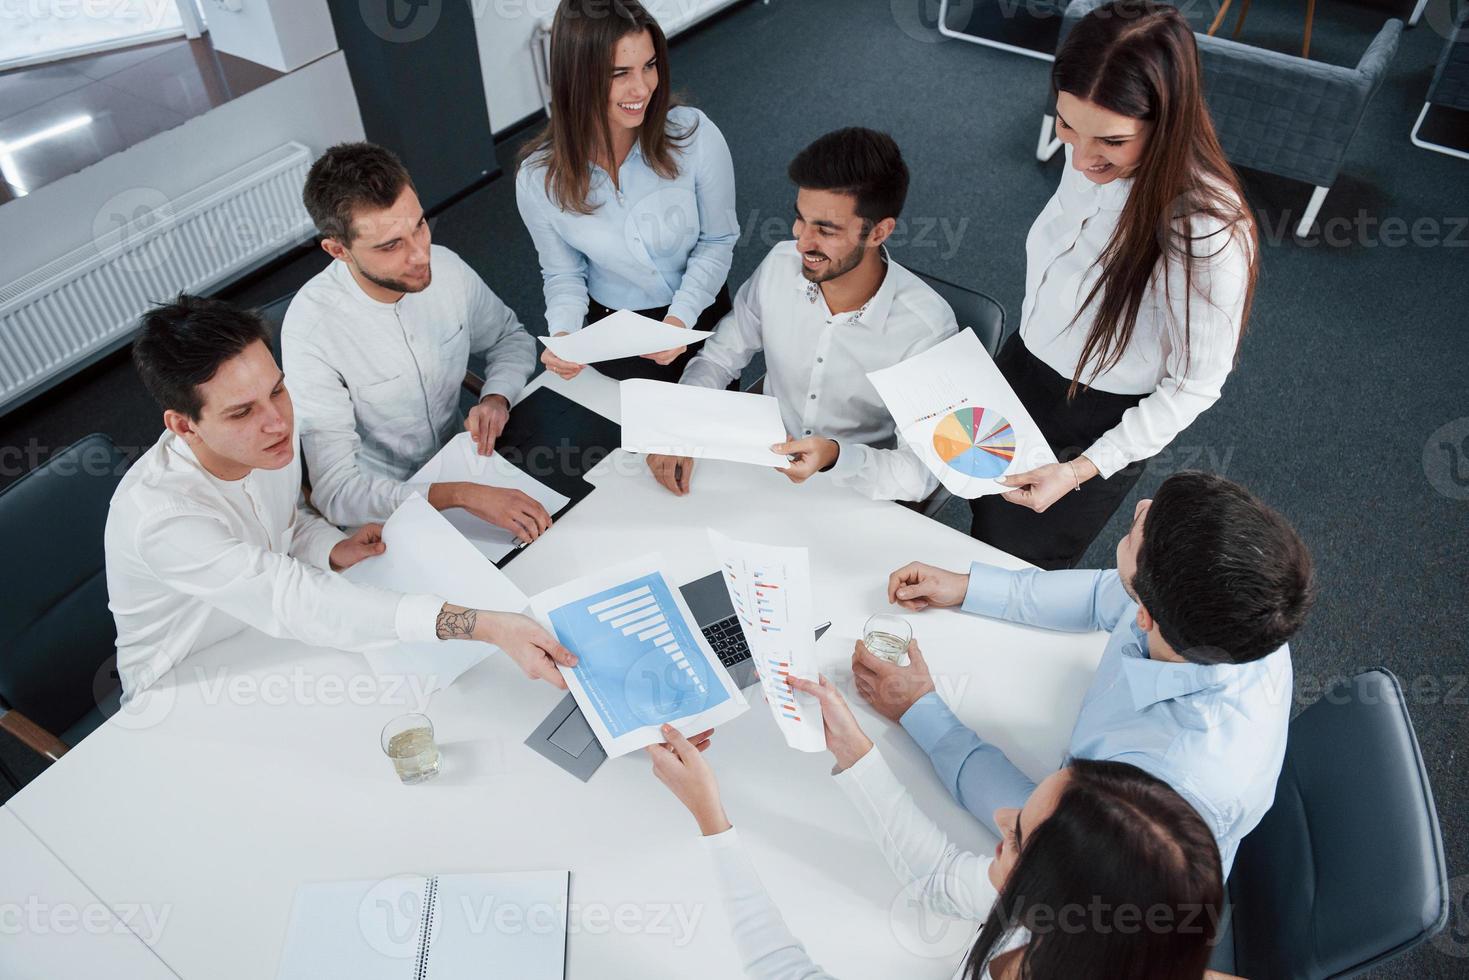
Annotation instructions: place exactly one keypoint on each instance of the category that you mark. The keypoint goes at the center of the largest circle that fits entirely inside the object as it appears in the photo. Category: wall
(280, 34)
(504, 29)
(314, 106)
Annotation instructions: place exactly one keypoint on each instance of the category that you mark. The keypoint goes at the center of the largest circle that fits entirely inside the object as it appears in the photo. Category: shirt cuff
(722, 841)
(929, 720)
(509, 390)
(850, 457)
(685, 311)
(1107, 457)
(870, 777)
(417, 618)
(989, 590)
(563, 321)
(320, 551)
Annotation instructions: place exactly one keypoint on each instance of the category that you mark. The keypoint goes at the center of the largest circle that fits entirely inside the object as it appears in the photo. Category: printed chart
(978, 442)
(642, 661)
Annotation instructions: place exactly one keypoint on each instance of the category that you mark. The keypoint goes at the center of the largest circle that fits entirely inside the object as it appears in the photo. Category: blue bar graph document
(643, 661)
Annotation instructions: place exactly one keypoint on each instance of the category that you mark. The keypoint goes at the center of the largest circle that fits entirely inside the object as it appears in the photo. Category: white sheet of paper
(770, 588)
(961, 417)
(459, 462)
(621, 334)
(644, 661)
(425, 554)
(704, 423)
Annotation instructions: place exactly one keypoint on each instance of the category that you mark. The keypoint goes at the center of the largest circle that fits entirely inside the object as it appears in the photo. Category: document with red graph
(770, 587)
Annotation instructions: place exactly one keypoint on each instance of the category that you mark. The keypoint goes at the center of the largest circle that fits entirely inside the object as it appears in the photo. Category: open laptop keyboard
(728, 641)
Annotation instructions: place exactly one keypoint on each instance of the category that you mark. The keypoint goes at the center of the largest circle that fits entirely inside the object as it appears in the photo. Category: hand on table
(517, 512)
(564, 369)
(917, 586)
(486, 421)
(673, 472)
(680, 765)
(889, 688)
(1041, 487)
(666, 357)
(365, 542)
(813, 454)
(845, 739)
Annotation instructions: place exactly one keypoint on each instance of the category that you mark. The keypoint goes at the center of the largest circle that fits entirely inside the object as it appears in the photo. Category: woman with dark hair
(628, 196)
(1139, 278)
(1105, 872)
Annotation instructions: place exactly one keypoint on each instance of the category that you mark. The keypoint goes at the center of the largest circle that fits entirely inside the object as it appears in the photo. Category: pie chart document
(955, 409)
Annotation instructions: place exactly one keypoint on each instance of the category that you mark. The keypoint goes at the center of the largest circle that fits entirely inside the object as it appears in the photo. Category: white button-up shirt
(376, 385)
(1062, 253)
(816, 364)
(650, 241)
(192, 559)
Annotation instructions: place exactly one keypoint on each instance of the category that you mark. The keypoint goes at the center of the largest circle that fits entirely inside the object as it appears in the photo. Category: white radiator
(146, 249)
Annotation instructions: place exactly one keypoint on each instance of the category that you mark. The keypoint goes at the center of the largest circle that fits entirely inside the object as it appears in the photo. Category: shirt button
(820, 359)
(808, 432)
(813, 398)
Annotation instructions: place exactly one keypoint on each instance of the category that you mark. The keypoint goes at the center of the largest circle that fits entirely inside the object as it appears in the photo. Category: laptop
(564, 736)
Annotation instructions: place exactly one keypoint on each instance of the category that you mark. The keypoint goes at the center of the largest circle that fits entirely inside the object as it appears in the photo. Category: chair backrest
(56, 631)
(1347, 869)
(974, 310)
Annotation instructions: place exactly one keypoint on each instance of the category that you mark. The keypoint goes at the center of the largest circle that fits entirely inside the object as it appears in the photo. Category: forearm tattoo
(454, 625)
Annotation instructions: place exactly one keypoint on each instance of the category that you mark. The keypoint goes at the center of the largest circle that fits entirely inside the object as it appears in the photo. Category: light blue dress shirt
(1215, 733)
(652, 243)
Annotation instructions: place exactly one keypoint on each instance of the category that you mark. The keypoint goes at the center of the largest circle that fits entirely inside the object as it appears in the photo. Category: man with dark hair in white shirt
(377, 345)
(207, 533)
(826, 309)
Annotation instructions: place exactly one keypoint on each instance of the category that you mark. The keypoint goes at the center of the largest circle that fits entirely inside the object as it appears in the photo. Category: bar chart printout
(770, 587)
(643, 661)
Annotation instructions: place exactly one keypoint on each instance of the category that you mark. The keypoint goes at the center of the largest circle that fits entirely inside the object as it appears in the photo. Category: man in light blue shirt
(1195, 683)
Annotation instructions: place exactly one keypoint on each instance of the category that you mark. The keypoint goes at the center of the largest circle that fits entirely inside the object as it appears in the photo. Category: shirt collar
(1151, 681)
(349, 284)
(1080, 193)
(875, 312)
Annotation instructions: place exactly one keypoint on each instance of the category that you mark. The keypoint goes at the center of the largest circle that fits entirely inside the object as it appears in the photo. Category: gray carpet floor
(1352, 369)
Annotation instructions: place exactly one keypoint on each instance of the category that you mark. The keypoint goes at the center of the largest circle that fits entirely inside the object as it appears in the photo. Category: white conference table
(53, 926)
(254, 766)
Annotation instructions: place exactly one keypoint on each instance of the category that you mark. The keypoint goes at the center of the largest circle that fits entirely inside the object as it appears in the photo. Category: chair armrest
(36, 738)
(1379, 54)
(473, 383)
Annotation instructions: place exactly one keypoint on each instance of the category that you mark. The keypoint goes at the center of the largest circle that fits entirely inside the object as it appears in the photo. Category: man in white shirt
(826, 309)
(206, 533)
(377, 344)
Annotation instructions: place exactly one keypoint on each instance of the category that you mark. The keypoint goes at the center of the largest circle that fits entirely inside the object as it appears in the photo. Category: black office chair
(58, 679)
(1347, 869)
(974, 310)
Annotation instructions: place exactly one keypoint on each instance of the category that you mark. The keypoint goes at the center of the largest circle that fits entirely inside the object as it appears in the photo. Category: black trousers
(622, 368)
(1059, 537)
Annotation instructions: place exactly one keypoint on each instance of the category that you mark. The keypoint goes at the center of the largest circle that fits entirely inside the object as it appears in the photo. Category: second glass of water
(886, 636)
(408, 740)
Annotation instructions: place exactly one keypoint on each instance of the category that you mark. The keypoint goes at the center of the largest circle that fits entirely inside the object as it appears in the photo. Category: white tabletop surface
(53, 926)
(255, 765)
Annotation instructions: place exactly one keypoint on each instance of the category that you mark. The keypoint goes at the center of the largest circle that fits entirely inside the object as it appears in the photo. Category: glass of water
(886, 636)
(408, 740)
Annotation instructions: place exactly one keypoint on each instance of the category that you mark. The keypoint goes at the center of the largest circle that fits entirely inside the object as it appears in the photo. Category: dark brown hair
(583, 37)
(1227, 579)
(1139, 59)
(181, 345)
(862, 163)
(1120, 842)
(350, 176)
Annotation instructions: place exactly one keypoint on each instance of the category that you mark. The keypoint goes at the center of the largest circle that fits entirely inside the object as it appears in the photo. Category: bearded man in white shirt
(207, 533)
(377, 346)
(826, 309)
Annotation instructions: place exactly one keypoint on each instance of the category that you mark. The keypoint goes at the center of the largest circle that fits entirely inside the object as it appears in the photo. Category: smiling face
(247, 421)
(390, 248)
(1104, 144)
(1016, 825)
(830, 234)
(634, 79)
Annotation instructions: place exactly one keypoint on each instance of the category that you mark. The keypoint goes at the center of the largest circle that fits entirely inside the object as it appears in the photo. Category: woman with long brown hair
(628, 195)
(1140, 273)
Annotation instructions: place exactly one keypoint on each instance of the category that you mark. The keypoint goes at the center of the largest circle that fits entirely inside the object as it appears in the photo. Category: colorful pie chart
(978, 442)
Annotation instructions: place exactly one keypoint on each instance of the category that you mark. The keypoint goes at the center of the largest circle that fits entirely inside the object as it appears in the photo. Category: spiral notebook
(437, 927)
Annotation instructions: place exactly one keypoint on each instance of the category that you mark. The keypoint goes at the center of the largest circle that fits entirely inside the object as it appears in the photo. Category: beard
(397, 285)
(833, 268)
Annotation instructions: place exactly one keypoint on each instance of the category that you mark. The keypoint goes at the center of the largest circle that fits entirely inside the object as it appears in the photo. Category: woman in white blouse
(629, 197)
(1139, 276)
(1097, 843)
